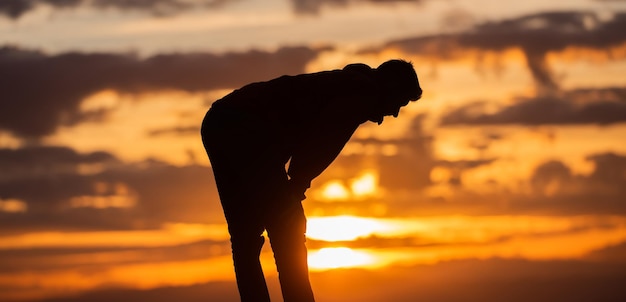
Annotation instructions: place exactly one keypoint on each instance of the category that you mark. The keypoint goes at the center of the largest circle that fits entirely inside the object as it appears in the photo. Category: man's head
(400, 85)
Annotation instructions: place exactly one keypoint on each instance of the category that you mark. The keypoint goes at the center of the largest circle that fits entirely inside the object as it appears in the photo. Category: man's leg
(286, 230)
(236, 190)
(245, 227)
(246, 242)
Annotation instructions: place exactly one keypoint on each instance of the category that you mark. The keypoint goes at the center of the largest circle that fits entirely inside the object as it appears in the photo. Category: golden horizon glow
(170, 234)
(434, 229)
(458, 238)
(341, 228)
(338, 257)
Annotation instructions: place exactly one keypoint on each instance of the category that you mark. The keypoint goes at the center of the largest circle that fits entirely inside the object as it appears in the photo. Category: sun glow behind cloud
(363, 186)
(340, 228)
(339, 257)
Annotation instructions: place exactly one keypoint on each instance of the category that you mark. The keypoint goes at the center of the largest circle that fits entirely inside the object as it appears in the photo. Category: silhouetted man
(305, 120)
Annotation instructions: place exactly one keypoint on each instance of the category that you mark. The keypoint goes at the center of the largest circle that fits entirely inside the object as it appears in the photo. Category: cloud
(314, 7)
(602, 106)
(217, 291)
(609, 170)
(175, 131)
(63, 190)
(557, 190)
(14, 9)
(59, 258)
(472, 280)
(552, 189)
(615, 253)
(38, 160)
(457, 167)
(40, 92)
(535, 35)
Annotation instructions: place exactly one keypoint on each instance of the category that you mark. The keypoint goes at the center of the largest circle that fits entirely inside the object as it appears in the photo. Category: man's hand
(297, 189)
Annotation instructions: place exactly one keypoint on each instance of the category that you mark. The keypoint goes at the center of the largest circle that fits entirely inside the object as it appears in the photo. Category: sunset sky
(505, 182)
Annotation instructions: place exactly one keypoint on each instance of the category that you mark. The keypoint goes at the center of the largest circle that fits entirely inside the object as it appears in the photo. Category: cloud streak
(314, 7)
(602, 106)
(15, 9)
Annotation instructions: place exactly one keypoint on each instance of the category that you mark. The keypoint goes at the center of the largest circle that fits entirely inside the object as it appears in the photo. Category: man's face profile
(391, 108)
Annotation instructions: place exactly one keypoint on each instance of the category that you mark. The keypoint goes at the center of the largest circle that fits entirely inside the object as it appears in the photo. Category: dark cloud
(557, 190)
(464, 164)
(535, 35)
(36, 161)
(215, 291)
(314, 7)
(610, 169)
(41, 92)
(601, 106)
(14, 9)
(549, 174)
(47, 162)
(614, 253)
(190, 130)
(457, 168)
(52, 181)
(55, 258)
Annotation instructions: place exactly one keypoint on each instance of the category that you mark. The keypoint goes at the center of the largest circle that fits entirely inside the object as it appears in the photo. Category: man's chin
(377, 120)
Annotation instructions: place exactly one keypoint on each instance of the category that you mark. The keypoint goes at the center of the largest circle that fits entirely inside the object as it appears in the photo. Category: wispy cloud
(600, 106)
(314, 7)
(14, 9)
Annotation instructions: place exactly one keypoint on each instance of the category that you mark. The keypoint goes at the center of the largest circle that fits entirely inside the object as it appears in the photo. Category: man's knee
(247, 245)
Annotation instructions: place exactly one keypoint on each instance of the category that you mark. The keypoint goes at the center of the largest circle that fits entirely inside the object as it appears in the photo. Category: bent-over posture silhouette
(305, 120)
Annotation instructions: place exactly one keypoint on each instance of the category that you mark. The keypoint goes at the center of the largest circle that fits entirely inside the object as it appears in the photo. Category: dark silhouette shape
(305, 120)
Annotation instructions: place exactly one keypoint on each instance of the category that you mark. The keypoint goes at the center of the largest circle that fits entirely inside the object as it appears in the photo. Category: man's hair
(400, 77)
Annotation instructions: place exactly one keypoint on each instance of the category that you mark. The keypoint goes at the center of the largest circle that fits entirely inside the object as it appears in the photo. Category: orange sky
(509, 173)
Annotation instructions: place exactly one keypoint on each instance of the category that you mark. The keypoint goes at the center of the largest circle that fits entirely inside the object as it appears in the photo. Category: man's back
(292, 104)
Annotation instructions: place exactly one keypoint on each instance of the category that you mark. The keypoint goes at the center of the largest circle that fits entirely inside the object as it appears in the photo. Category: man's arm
(319, 149)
